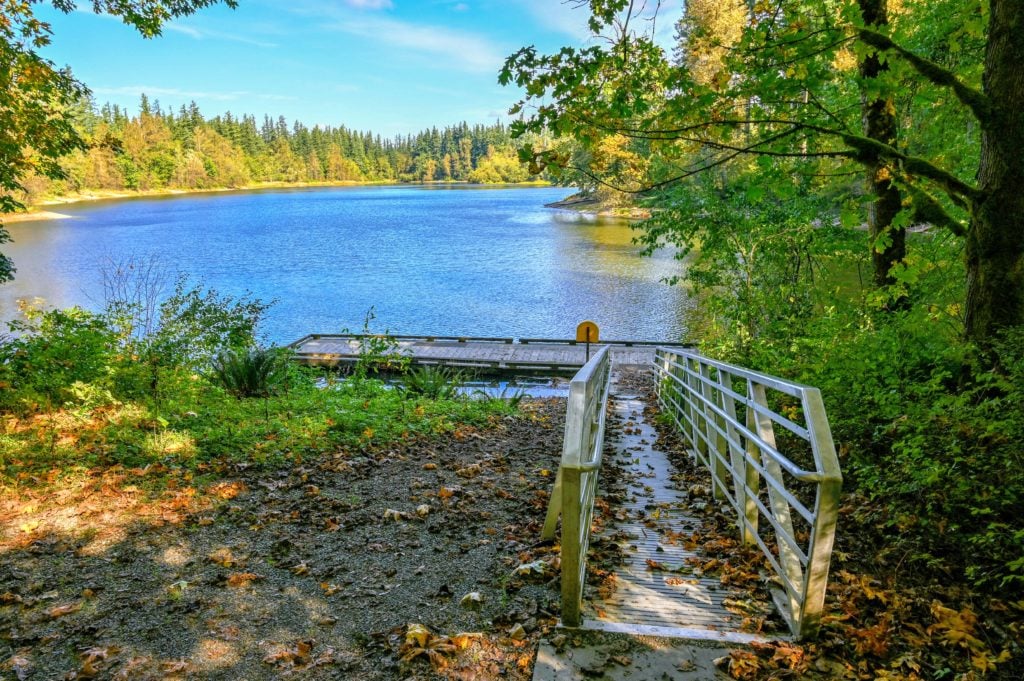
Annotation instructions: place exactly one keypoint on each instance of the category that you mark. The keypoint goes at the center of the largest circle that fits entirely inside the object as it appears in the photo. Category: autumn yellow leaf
(223, 557)
(174, 666)
(297, 655)
(743, 664)
(62, 610)
(242, 579)
(464, 640)
(417, 634)
(228, 489)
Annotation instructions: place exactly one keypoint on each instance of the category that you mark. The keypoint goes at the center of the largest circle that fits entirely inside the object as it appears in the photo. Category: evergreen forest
(156, 149)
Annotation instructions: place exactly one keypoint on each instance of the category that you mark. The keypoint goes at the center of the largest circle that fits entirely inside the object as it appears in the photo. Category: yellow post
(587, 332)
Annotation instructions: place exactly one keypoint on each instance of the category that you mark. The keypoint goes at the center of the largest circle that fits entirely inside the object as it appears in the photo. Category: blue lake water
(448, 260)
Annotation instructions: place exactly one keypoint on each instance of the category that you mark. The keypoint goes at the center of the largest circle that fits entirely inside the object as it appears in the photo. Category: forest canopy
(158, 149)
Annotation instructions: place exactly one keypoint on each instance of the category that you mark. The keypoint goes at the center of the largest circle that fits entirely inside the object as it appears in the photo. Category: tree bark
(888, 243)
(995, 240)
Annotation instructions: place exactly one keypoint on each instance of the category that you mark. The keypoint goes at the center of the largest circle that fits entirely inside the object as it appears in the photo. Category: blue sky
(391, 66)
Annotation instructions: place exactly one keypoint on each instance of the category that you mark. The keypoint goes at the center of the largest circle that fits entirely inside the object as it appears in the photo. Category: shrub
(925, 429)
(432, 382)
(182, 332)
(378, 352)
(254, 373)
(55, 351)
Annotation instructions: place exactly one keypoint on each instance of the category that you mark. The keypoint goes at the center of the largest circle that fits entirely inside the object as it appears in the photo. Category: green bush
(55, 351)
(254, 373)
(925, 430)
(137, 348)
(435, 383)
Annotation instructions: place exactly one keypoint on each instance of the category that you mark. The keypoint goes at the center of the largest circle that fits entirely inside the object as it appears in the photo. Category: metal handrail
(701, 396)
(576, 482)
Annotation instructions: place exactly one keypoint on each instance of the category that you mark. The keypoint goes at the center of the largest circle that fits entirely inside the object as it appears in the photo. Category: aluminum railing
(800, 496)
(576, 481)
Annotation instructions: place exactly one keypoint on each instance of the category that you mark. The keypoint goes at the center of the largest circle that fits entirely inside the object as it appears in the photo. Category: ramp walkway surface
(649, 606)
(652, 596)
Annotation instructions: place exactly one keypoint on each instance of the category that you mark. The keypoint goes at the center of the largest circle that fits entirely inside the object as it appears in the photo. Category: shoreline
(38, 211)
(585, 205)
(33, 216)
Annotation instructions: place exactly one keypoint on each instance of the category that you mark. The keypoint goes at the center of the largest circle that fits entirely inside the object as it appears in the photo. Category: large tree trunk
(888, 243)
(995, 241)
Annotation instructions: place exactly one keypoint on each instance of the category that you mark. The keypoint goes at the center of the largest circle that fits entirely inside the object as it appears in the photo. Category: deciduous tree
(789, 99)
(38, 99)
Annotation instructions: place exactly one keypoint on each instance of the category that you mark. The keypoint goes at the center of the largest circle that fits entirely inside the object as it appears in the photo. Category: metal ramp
(650, 601)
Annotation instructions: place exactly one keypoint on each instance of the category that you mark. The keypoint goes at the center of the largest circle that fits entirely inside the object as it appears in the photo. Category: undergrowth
(77, 393)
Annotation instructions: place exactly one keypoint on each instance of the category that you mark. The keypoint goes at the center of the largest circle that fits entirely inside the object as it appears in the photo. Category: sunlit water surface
(430, 260)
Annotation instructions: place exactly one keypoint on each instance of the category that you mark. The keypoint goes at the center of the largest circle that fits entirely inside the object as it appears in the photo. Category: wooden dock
(488, 354)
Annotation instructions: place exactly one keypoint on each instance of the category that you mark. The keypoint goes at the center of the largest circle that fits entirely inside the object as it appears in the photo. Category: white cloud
(569, 17)
(185, 30)
(204, 33)
(459, 49)
(370, 4)
(460, 7)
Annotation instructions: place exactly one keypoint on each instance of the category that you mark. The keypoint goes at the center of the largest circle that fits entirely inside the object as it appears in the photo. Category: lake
(444, 260)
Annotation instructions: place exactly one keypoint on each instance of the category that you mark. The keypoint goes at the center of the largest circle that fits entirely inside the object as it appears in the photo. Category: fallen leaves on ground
(289, 571)
(242, 579)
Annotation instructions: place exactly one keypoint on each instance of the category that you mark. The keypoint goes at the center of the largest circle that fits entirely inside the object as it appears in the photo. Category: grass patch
(204, 425)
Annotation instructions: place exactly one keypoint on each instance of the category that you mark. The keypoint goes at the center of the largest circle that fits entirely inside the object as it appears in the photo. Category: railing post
(697, 415)
(676, 377)
(826, 513)
(745, 478)
(572, 588)
(554, 509)
(575, 484)
(779, 506)
(711, 419)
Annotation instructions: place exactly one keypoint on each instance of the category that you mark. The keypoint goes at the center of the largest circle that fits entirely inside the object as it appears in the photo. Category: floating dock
(490, 354)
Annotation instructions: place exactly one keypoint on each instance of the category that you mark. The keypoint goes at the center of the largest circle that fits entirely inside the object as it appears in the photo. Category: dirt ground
(318, 571)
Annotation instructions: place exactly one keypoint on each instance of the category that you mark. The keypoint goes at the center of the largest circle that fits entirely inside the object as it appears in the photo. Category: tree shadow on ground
(312, 571)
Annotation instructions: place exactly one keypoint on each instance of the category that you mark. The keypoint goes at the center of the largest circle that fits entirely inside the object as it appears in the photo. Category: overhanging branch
(928, 209)
(973, 99)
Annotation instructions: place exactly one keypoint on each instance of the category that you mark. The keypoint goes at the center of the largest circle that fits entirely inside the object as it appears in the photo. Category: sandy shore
(102, 195)
(33, 216)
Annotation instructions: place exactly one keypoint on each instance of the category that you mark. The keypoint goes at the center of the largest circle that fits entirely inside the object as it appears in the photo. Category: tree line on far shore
(161, 148)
